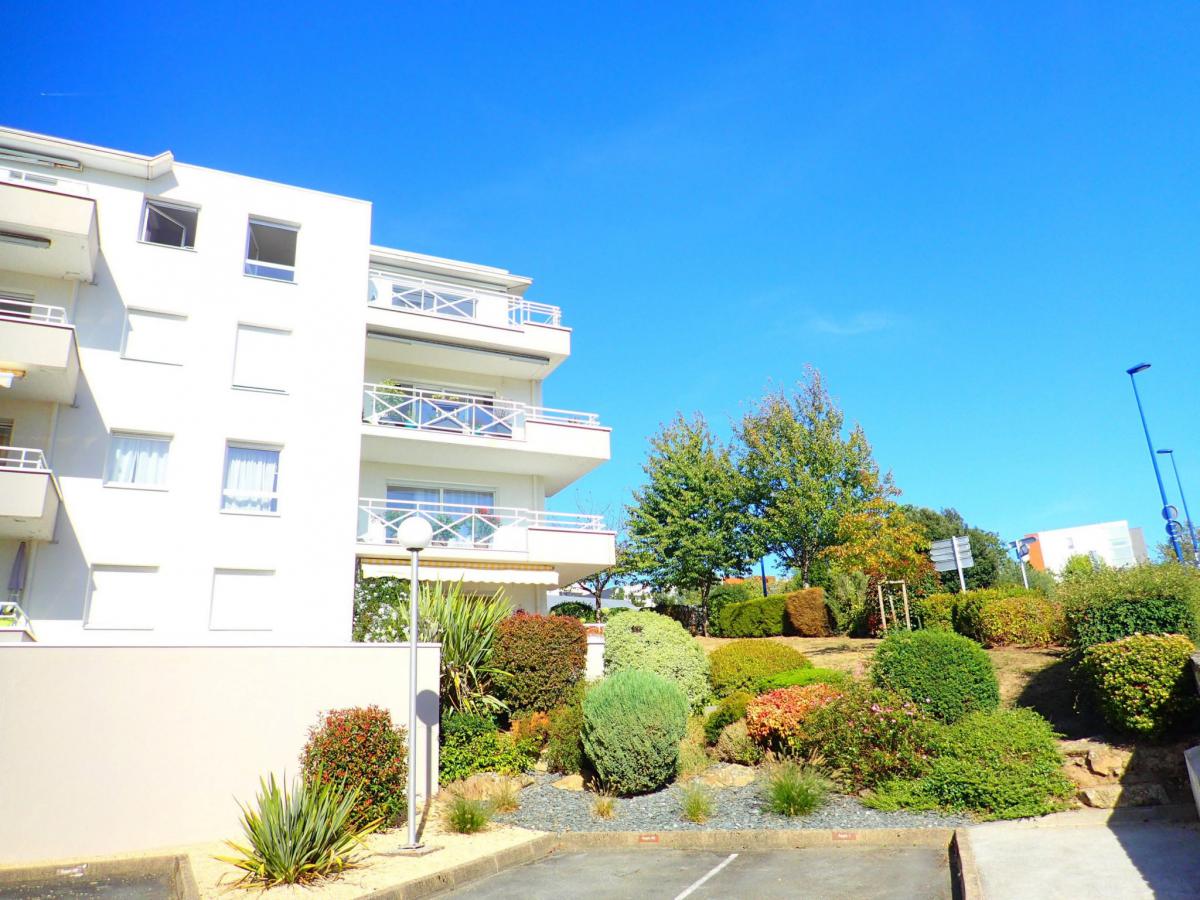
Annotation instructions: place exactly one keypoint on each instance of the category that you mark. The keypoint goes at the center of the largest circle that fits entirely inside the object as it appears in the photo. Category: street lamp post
(1187, 513)
(414, 534)
(1162, 491)
(1021, 549)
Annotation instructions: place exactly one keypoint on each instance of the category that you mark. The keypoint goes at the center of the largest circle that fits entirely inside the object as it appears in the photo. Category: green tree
(804, 473)
(688, 525)
(1166, 551)
(993, 563)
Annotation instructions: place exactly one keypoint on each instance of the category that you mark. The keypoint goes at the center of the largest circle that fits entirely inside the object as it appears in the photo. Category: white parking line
(717, 868)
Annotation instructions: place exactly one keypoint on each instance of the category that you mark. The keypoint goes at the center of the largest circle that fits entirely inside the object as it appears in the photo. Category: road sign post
(953, 554)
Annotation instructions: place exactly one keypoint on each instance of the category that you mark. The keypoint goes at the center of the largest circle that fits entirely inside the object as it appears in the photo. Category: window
(154, 337)
(121, 597)
(169, 224)
(137, 460)
(251, 479)
(243, 600)
(271, 250)
(16, 306)
(261, 359)
(6, 432)
(460, 517)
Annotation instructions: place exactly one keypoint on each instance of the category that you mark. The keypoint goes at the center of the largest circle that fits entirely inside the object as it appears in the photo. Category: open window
(271, 250)
(170, 224)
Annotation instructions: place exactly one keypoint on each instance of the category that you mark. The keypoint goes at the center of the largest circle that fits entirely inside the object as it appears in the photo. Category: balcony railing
(451, 301)
(14, 309)
(25, 458)
(455, 413)
(465, 526)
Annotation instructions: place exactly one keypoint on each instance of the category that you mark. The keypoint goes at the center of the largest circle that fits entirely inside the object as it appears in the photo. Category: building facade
(1112, 543)
(218, 400)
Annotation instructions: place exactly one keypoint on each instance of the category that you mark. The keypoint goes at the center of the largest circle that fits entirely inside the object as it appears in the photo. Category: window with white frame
(122, 597)
(243, 600)
(261, 360)
(154, 337)
(271, 249)
(15, 305)
(461, 517)
(251, 482)
(137, 460)
(169, 224)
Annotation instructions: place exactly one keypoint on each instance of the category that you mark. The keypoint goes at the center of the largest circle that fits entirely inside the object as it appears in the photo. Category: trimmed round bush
(729, 710)
(1112, 604)
(542, 658)
(736, 746)
(653, 643)
(1143, 684)
(764, 617)
(361, 747)
(935, 612)
(801, 677)
(740, 665)
(807, 613)
(947, 674)
(1010, 617)
(776, 720)
(633, 722)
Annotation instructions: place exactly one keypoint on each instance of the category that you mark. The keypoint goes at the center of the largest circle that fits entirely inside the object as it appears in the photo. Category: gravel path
(547, 808)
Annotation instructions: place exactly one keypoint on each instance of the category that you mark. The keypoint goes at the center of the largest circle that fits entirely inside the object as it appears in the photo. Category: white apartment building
(1112, 543)
(218, 399)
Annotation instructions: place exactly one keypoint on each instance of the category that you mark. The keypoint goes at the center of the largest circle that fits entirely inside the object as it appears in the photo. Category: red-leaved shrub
(776, 719)
(360, 747)
(542, 658)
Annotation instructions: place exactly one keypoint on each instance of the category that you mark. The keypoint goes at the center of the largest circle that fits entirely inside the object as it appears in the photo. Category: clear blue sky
(970, 217)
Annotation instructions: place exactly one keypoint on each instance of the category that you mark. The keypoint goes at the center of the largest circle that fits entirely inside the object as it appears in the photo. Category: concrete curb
(466, 873)
(963, 867)
(177, 868)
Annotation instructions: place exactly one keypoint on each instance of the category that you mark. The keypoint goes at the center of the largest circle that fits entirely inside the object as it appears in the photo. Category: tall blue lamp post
(1162, 491)
(1187, 513)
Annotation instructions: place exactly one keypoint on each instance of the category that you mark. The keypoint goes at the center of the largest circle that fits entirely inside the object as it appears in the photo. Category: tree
(1166, 550)
(880, 540)
(993, 563)
(688, 526)
(803, 473)
(615, 575)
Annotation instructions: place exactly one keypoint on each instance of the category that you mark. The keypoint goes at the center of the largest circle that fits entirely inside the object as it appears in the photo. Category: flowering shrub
(776, 720)
(361, 748)
(868, 735)
(539, 660)
(740, 665)
(1142, 683)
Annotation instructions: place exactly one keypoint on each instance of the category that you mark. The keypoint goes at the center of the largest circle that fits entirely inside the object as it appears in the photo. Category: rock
(570, 783)
(1082, 778)
(540, 767)
(727, 775)
(1107, 762)
(1114, 795)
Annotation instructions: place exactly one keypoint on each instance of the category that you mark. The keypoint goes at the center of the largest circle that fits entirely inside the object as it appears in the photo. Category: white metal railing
(23, 458)
(452, 301)
(14, 308)
(471, 414)
(465, 525)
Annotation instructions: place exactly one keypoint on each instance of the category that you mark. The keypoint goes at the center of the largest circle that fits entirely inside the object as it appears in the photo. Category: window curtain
(140, 461)
(251, 479)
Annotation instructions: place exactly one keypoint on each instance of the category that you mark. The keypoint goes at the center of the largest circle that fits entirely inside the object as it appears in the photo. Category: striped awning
(467, 572)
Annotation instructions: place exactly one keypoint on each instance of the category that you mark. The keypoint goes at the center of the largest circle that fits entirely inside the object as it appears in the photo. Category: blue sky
(972, 218)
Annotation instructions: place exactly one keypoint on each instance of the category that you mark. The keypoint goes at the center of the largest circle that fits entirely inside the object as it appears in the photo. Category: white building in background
(1113, 543)
(217, 398)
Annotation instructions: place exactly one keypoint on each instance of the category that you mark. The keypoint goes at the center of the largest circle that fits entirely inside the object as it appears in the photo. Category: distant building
(1113, 543)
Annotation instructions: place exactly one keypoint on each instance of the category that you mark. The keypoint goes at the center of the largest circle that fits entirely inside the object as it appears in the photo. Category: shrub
(539, 660)
(793, 791)
(298, 836)
(584, 612)
(740, 665)
(1008, 616)
(696, 803)
(935, 612)
(1143, 684)
(633, 722)
(847, 600)
(722, 596)
(801, 677)
(533, 727)
(736, 746)
(654, 643)
(360, 748)
(776, 720)
(807, 613)
(1112, 604)
(564, 748)
(868, 735)
(1001, 764)
(693, 754)
(729, 710)
(467, 815)
(472, 743)
(764, 617)
(947, 674)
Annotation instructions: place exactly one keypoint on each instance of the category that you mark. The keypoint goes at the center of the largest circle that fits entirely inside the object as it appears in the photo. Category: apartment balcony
(48, 226)
(39, 359)
(410, 426)
(28, 495)
(448, 326)
(487, 545)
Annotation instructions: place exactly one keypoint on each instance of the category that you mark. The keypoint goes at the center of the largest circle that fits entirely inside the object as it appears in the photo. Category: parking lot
(762, 875)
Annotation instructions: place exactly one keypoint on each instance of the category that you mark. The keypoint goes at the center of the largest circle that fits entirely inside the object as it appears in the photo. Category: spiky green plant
(696, 803)
(794, 791)
(299, 835)
(467, 815)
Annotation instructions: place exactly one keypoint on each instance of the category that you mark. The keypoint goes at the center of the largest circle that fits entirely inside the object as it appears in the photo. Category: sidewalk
(1151, 852)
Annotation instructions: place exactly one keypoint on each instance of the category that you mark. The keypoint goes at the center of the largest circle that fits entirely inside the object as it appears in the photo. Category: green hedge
(802, 677)
(1112, 604)
(633, 722)
(1004, 617)
(947, 674)
(765, 617)
(654, 643)
(1143, 684)
(541, 659)
(741, 664)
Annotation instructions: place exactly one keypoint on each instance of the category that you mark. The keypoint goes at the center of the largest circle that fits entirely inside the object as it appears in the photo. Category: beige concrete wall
(115, 749)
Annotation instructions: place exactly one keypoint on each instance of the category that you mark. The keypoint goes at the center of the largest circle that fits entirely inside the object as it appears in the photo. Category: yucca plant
(299, 835)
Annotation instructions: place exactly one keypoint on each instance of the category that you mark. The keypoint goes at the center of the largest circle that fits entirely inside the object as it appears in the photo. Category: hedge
(741, 664)
(807, 612)
(1117, 603)
(947, 674)
(541, 659)
(1143, 684)
(764, 617)
(1003, 617)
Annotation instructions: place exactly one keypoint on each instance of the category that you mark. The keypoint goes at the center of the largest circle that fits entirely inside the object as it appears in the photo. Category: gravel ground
(547, 808)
